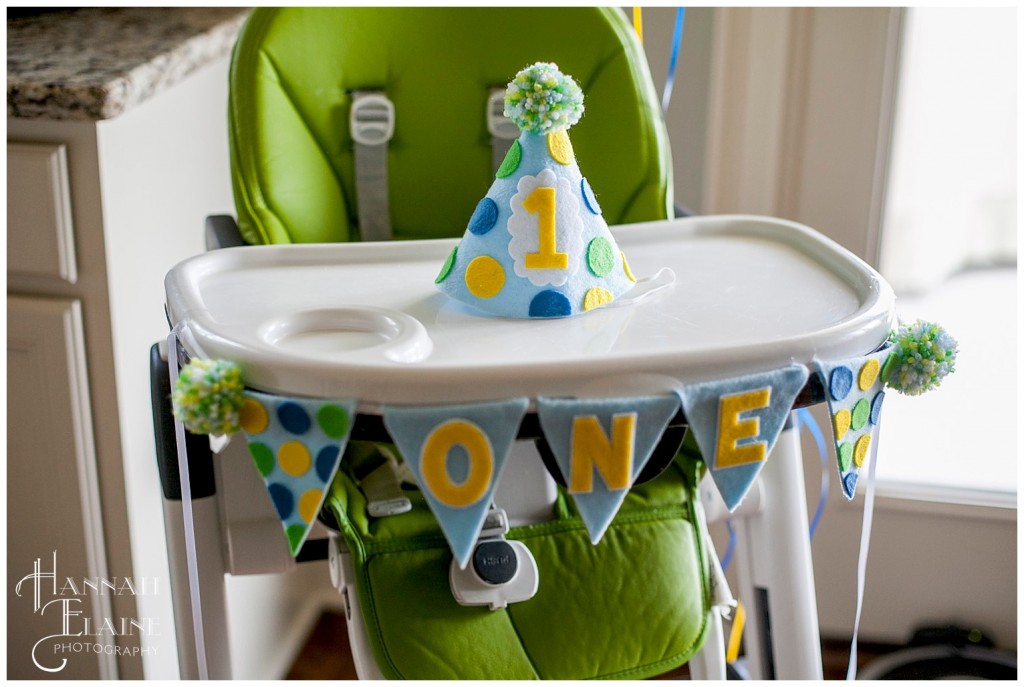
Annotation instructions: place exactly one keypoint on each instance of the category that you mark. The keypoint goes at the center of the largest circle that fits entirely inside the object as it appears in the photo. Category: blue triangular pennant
(297, 446)
(601, 445)
(736, 422)
(457, 454)
(854, 392)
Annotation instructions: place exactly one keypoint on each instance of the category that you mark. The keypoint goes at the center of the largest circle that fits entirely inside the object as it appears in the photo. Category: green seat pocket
(633, 606)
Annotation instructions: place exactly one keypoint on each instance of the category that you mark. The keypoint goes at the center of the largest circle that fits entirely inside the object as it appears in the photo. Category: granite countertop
(95, 63)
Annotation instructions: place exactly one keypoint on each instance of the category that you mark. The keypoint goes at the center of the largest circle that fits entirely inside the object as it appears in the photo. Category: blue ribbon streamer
(677, 39)
(805, 419)
(730, 548)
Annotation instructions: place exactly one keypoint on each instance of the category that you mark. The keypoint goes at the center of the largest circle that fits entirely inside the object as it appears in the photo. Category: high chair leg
(776, 580)
(709, 662)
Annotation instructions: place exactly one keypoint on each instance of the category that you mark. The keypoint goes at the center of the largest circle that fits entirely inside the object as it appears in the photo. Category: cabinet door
(40, 236)
(53, 517)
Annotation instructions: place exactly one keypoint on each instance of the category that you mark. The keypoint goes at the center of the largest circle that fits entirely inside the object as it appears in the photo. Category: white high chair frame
(793, 296)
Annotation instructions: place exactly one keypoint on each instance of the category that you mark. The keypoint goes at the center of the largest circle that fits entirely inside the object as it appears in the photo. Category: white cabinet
(98, 212)
(53, 520)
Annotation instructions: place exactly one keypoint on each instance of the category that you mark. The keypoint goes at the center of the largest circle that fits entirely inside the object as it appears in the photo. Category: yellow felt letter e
(731, 429)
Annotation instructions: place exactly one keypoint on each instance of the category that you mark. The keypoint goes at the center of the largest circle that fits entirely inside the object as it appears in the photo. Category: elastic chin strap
(862, 560)
(644, 288)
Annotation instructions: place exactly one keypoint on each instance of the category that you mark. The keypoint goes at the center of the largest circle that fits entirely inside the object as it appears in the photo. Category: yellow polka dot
(868, 374)
(253, 416)
(842, 423)
(293, 457)
(860, 450)
(625, 268)
(596, 297)
(308, 504)
(484, 277)
(560, 147)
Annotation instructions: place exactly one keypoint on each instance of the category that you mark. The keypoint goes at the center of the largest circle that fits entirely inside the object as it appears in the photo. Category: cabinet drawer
(40, 236)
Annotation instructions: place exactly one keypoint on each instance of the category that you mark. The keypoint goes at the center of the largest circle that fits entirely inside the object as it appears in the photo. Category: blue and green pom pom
(924, 354)
(208, 397)
(541, 99)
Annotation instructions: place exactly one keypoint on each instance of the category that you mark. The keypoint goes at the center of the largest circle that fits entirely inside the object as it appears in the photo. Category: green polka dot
(446, 269)
(333, 420)
(887, 367)
(845, 451)
(295, 534)
(511, 162)
(860, 414)
(263, 457)
(600, 256)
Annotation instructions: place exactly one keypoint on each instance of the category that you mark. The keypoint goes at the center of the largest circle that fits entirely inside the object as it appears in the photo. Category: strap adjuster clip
(372, 119)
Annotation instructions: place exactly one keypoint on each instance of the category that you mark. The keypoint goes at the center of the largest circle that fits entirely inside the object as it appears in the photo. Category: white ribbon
(862, 560)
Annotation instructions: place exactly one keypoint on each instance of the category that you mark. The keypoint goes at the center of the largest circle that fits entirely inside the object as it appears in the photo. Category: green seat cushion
(633, 606)
(293, 71)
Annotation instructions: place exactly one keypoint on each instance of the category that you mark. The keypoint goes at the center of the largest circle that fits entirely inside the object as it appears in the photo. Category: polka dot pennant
(296, 445)
(854, 395)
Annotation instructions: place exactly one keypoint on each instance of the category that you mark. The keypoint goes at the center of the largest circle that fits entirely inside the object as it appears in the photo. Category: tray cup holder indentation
(340, 331)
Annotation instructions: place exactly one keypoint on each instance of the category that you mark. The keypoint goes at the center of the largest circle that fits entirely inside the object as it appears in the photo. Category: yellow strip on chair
(638, 23)
(732, 652)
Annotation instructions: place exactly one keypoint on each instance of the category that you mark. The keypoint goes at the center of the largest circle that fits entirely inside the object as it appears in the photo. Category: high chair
(351, 123)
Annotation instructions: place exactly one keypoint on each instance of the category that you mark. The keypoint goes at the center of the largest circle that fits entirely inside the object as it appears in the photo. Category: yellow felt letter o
(434, 463)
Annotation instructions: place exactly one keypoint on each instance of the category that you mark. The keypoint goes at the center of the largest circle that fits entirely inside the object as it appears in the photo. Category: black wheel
(942, 662)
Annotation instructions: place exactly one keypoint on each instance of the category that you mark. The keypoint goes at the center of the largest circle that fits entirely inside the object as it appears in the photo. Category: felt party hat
(537, 246)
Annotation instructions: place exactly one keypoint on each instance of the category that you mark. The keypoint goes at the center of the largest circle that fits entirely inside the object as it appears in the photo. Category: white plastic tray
(365, 320)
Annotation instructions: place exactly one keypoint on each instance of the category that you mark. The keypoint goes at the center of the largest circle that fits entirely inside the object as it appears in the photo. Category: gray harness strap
(372, 124)
(503, 130)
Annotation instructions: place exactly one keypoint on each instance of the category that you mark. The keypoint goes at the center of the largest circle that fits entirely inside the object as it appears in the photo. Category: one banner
(297, 446)
(736, 422)
(601, 445)
(854, 392)
(457, 454)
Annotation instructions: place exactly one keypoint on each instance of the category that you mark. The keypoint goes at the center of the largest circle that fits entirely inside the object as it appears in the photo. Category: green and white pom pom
(208, 396)
(541, 99)
(924, 354)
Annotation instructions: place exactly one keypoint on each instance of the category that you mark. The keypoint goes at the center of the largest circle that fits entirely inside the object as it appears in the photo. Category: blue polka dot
(484, 217)
(588, 196)
(850, 483)
(284, 502)
(293, 417)
(841, 383)
(325, 462)
(876, 408)
(550, 304)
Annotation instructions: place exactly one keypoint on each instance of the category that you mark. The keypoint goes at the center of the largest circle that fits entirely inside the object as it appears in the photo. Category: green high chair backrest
(294, 69)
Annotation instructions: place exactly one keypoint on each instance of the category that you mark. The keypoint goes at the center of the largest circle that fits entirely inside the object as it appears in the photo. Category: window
(949, 249)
